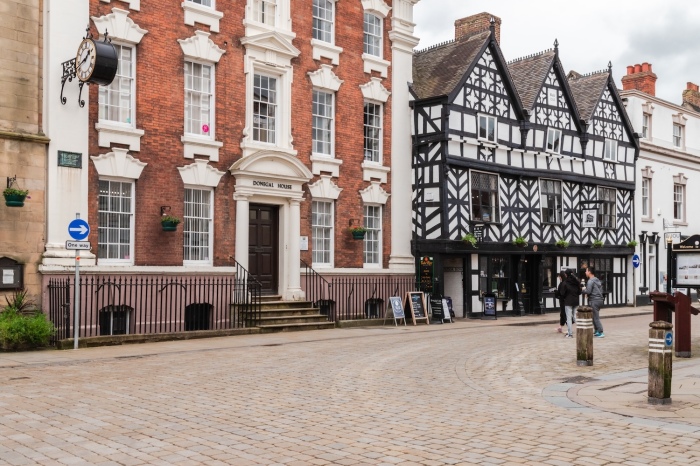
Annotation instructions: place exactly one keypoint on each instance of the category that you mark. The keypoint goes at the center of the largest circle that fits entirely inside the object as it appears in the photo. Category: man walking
(594, 290)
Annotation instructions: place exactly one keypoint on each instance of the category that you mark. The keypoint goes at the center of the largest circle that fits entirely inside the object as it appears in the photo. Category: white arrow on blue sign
(78, 229)
(669, 339)
(636, 261)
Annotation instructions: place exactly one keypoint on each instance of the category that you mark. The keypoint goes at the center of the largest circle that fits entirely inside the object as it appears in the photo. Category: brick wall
(640, 77)
(160, 113)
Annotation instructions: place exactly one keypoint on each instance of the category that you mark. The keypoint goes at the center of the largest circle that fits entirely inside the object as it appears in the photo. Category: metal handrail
(317, 288)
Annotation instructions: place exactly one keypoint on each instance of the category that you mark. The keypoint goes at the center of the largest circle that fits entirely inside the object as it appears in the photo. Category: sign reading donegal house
(270, 184)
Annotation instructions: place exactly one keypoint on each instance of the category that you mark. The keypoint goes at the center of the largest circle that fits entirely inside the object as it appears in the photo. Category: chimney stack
(477, 23)
(691, 97)
(640, 77)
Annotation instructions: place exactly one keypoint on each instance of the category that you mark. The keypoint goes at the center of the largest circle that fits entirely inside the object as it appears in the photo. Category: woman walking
(572, 291)
(560, 295)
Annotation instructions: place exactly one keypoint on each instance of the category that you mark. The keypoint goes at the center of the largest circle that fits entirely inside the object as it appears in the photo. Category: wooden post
(660, 363)
(584, 336)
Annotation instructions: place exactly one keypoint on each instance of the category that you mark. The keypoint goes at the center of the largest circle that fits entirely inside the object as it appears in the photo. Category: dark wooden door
(262, 249)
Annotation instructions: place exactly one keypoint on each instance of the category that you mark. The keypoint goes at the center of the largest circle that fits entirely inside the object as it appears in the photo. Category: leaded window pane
(484, 192)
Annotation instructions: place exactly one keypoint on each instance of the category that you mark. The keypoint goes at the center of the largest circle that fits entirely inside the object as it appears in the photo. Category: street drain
(580, 379)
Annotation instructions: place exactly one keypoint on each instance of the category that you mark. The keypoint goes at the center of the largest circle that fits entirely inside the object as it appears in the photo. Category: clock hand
(84, 59)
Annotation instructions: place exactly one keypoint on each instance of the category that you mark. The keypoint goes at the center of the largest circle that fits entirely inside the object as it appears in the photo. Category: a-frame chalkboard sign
(415, 305)
(396, 309)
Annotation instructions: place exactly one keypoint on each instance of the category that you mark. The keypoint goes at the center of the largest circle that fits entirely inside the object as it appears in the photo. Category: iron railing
(133, 304)
(353, 298)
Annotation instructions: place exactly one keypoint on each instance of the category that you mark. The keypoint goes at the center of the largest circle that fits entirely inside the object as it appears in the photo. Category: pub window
(484, 191)
(554, 140)
(607, 210)
(550, 193)
(487, 128)
(494, 276)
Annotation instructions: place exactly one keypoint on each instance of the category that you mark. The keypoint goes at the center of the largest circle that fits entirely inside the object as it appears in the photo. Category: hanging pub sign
(687, 258)
(589, 218)
(425, 273)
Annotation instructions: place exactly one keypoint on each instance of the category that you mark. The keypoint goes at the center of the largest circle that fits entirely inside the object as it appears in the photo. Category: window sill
(647, 220)
(487, 143)
(200, 146)
(254, 28)
(371, 266)
(374, 170)
(195, 13)
(680, 223)
(251, 147)
(109, 133)
(610, 161)
(325, 163)
(373, 63)
(326, 50)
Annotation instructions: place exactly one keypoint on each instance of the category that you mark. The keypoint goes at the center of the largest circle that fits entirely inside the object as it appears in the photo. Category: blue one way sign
(78, 229)
(636, 261)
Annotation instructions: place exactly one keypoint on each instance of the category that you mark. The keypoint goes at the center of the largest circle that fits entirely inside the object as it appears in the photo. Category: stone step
(289, 312)
(295, 327)
(273, 305)
(292, 319)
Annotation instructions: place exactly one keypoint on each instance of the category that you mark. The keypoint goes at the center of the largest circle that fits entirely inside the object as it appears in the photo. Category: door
(262, 249)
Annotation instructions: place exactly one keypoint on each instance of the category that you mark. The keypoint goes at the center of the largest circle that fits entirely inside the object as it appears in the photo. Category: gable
(607, 120)
(552, 106)
(484, 90)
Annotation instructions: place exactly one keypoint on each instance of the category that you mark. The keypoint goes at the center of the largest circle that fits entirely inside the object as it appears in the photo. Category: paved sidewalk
(475, 392)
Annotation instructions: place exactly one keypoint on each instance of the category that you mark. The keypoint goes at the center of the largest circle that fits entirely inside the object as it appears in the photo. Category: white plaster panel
(501, 157)
(529, 160)
(455, 120)
(200, 173)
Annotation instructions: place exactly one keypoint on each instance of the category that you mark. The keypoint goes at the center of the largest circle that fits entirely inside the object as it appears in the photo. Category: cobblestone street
(472, 392)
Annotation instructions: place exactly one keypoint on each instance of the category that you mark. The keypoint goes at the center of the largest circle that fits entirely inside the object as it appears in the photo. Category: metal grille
(198, 98)
(265, 11)
(550, 191)
(322, 231)
(264, 108)
(115, 216)
(372, 243)
(323, 20)
(115, 99)
(373, 131)
(322, 128)
(373, 35)
(197, 225)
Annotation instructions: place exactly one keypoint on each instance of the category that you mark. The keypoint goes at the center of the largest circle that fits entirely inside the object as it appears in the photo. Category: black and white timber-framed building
(519, 149)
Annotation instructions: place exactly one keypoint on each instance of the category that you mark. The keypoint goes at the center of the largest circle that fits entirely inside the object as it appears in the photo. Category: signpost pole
(76, 318)
(669, 263)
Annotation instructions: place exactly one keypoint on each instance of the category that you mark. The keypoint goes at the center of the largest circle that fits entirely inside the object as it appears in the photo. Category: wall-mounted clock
(96, 62)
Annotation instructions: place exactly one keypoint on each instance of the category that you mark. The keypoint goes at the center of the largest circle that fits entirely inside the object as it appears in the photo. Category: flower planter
(169, 226)
(358, 235)
(15, 200)
(521, 245)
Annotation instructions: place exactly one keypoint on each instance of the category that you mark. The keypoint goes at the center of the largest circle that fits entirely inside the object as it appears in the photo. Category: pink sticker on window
(205, 128)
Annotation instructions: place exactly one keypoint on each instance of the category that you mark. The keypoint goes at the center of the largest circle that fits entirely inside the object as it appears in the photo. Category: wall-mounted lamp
(658, 212)
(643, 237)
(164, 210)
(654, 237)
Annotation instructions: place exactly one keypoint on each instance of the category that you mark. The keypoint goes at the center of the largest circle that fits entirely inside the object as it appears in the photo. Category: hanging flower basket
(358, 232)
(562, 244)
(597, 244)
(520, 242)
(14, 197)
(169, 222)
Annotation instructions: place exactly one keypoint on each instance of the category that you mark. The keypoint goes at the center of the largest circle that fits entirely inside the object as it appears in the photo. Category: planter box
(14, 200)
(169, 226)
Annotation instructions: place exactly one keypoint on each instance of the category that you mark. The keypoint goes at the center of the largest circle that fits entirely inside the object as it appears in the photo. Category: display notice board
(489, 303)
(414, 304)
(396, 309)
(439, 309)
(426, 274)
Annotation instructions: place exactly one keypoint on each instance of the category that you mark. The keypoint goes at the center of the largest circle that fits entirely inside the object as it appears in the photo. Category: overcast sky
(665, 33)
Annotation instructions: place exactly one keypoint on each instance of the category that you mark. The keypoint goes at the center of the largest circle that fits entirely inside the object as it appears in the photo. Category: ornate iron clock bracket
(68, 75)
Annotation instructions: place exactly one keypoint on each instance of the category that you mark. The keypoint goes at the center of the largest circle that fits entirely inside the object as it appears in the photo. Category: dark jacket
(571, 292)
(560, 292)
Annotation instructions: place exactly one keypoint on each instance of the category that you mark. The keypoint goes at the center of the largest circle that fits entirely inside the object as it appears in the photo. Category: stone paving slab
(473, 392)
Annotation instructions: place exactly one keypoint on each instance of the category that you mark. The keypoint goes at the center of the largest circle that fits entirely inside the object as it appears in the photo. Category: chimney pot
(637, 68)
(641, 78)
(645, 67)
(630, 69)
(693, 87)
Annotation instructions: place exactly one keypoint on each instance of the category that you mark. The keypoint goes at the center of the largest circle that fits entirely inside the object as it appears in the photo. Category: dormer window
(610, 152)
(487, 128)
(554, 141)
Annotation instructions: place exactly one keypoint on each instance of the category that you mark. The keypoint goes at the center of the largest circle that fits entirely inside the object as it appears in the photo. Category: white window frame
(316, 6)
(115, 87)
(212, 100)
(373, 235)
(369, 32)
(379, 129)
(559, 202)
(602, 206)
(271, 134)
(204, 3)
(677, 135)
(646, 197)
(646, 126)
(610, 150)
(188, 220)
(483, 123)
(322, 117)
(328, 228)
(551, 138)
(100, 228)
(262, 17)
(679, 202)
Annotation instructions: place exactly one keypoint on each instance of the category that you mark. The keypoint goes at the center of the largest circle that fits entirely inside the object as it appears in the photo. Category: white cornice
(201, 47)
(374, 90)
(325, 188)
(200, 173)
(374, 194)
(272, 41)
(133, 4)
(325, 78)
(377, 7)
(119, 26)
(119, 164)
(650, 98)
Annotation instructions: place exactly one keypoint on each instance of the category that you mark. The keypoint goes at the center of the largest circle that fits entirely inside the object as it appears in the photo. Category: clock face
(85, 60)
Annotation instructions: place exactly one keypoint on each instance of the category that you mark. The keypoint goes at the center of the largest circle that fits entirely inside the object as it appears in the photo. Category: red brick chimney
(640, 77)
(477, 23)
(691, 97)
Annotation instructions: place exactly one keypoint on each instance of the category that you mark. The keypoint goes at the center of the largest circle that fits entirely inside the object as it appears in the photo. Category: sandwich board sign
(396, 309)
(415, 305)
